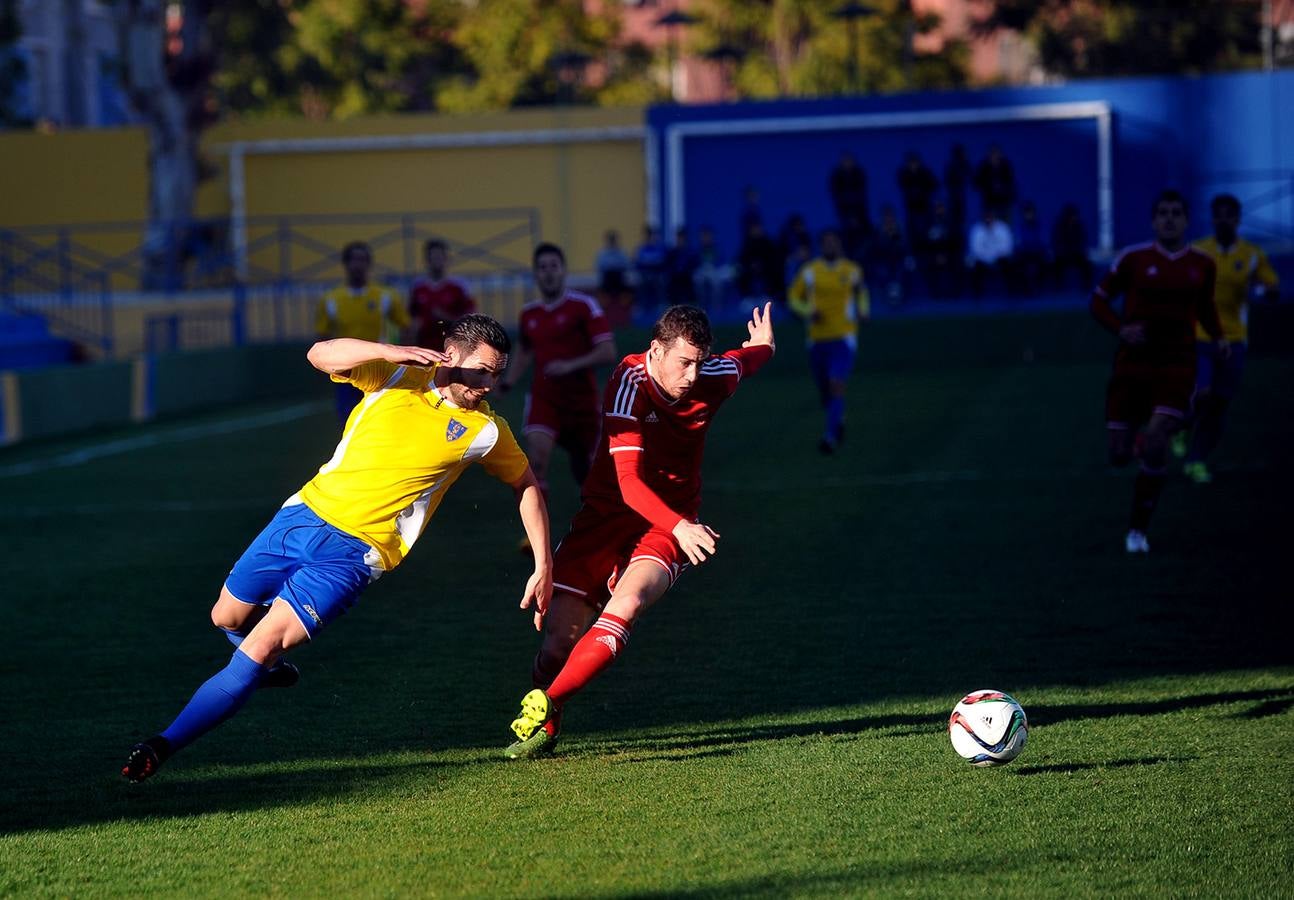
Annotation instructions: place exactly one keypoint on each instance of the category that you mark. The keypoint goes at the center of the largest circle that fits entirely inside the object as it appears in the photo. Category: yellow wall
(73, 176)
(577, 190)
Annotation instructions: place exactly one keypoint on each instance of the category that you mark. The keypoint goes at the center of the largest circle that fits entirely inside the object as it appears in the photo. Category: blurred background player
(566, 335)
(1167, 287)
(359, 310)
(1241, 266)
(637, 528)
(829, 294)
(418, 430)
(436, 300)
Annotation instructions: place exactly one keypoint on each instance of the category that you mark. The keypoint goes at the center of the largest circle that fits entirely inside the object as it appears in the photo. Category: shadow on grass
(1276, 700)
(104, 796)
(1068, 768)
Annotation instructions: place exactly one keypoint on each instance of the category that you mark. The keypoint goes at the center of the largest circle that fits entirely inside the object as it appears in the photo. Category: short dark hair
(356, 247)
(434, 244)
(473, 330)
(686, 322)
(1170, 195)
(1228, 200)
(547, 247)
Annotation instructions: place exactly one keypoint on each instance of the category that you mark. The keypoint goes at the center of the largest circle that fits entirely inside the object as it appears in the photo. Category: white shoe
(1136, 542)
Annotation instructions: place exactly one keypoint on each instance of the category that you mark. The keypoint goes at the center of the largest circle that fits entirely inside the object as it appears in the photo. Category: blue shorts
(1221, 377)
(318, 569)
(831, 361)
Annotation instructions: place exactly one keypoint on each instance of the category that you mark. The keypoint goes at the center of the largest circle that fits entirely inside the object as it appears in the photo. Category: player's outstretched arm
(534, 518)
(340, 355)
(760, 327)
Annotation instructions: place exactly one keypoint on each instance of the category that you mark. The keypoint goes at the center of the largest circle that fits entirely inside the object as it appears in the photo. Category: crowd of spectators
(926, 243)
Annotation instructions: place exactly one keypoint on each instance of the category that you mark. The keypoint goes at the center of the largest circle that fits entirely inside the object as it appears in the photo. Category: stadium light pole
(673, 21)
(851, 13)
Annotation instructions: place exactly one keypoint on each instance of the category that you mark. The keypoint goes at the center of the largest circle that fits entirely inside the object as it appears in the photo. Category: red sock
(595, 651)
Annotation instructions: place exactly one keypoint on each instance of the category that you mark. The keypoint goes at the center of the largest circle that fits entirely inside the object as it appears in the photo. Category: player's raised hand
(539, 590)
(696, 540)
(760, 327)
(412, 356)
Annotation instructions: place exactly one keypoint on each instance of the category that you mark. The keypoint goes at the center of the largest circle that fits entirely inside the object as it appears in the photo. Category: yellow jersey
(1238, 267)
(403, 446)
(372, 313)
(830, 296)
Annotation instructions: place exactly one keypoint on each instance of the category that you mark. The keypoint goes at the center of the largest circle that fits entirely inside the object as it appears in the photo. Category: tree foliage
(799, 48)
(1078, 38)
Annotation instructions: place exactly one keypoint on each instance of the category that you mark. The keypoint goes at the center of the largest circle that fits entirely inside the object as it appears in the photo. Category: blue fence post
(238, 321)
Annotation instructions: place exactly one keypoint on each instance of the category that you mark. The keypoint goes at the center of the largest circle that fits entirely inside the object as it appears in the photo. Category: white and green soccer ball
(988, 728)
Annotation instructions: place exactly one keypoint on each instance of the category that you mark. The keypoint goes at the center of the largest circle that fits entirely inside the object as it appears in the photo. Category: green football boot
(1198, 472)
(532, 738)
(1178, 443)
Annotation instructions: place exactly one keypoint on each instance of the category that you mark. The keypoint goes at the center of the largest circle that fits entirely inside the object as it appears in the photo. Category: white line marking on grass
(159, 438)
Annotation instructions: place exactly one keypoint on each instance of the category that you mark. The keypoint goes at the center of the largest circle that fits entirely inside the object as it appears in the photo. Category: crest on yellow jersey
(455, 430)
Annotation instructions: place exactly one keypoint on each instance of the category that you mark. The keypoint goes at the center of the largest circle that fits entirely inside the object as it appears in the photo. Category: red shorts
(575, 429)
(1134, 395)
(601, 545)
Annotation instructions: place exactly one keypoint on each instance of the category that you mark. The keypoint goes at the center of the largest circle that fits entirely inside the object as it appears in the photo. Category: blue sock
(234, 637)
(835, 417)
(220, 697)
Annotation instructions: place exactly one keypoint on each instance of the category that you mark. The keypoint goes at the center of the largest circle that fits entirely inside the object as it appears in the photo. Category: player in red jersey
(638, 527)
(436, 300)
(1167, 287)
(566, 335)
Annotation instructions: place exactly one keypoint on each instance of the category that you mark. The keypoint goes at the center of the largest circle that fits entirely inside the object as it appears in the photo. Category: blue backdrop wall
(1202, 135)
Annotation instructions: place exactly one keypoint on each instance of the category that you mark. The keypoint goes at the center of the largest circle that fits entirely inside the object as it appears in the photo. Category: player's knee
(226, 618)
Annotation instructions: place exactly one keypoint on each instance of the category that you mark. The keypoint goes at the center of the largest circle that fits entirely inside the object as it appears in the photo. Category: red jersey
(654, 443)
(433, 305)
(1167, 293)
(564, 330)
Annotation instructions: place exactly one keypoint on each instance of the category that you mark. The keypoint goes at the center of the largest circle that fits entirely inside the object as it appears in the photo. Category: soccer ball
(988, 728)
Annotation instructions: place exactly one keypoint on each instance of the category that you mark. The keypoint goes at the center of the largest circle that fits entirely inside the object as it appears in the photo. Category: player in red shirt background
(1167, 287)
(637, 528)
(436, 300)
(566, 335)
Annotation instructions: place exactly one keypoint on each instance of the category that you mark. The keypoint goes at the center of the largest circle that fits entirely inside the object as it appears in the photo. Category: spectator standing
(989, 250)
(1069, 247)
(957, 176)
(889, 260)
(681, 264)
(1030, 262)
(917, 186)
(995, 181)
(650, 262)
(612, 265)
(942, 260)
(759, 266)
(848, 188)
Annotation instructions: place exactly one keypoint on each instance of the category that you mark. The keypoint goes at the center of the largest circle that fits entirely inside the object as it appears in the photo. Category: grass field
(777, 726)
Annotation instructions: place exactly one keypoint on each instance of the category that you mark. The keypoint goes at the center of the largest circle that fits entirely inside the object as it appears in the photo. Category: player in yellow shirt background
(1242, 266)
(830, 295)
(357, 309)
(422, 422)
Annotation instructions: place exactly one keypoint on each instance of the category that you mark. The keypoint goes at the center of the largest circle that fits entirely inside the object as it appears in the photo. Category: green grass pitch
(777, 727)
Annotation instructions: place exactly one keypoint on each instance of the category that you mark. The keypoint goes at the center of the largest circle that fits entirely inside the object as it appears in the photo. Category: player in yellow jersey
(361, 310)
(422, 423)
(1242, 266)
(830, 295)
